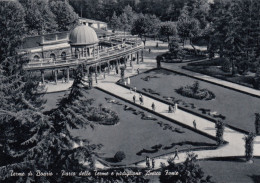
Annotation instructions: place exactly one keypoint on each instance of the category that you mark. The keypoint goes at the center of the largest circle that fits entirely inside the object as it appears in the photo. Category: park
(130, 91)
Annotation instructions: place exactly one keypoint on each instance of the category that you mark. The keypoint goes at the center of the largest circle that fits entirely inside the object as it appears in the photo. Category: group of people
(173, 108)
(148, 165)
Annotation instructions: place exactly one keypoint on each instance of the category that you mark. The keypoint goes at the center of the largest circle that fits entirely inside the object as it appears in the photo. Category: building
(93, 23)
(56, 54)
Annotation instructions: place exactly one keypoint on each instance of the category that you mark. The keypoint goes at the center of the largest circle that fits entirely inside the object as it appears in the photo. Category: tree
(168, 29)
(188, 171)
(220, 127)
(127, 18)
(249, 146)
(188, 28)
(33, 140)
(39, 18)
(12, 27)
(257, 123)
(114, 22)
(65, 16)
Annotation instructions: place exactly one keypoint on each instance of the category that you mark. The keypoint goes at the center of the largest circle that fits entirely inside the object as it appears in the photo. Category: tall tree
(65, 16)
(39, 18)
(12, 27)
(168, 29)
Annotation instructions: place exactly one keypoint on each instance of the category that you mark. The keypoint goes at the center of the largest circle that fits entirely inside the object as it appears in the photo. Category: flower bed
(195, 92)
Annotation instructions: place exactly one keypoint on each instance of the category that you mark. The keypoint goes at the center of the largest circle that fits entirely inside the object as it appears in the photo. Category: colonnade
(93, 68)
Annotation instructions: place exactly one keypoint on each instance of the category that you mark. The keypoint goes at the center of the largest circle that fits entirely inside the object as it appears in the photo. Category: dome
(83, 35)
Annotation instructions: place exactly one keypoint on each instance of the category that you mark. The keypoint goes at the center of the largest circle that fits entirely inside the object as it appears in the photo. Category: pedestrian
(134, 98)
(96, 77)
(175, 107)
(116, 70)
(149, 50)
(138, 71)
(194, 124)
(125, 83)
(135, 89)
(62, 80)
(104, 74)
(170, 109)
(141, 99)
(153, 163)
(128, 81)
(147, 162)
(153, 106)
(176, 153)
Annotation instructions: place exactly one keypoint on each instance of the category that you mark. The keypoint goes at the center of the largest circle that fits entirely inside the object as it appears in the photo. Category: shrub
(195, 92)
(119, 156)
(249, 146)
(220, 126)
(226, 66)
(103, 115)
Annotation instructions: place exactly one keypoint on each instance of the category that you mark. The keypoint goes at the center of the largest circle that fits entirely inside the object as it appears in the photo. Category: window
(36, 58)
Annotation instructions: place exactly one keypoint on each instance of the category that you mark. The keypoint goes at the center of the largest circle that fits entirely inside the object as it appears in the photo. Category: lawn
(213, 68)
(133, 134)
(232, 170)
(235, 108)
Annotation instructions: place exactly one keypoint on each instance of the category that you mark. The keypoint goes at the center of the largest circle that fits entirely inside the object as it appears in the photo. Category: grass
(213, 68)
(236, 108)
(231, 170)
(134, 133)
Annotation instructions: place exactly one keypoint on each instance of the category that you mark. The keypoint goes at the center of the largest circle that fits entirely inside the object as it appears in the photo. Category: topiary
(119, 156)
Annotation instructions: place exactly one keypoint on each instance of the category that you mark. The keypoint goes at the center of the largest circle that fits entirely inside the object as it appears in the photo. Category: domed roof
(83, 35)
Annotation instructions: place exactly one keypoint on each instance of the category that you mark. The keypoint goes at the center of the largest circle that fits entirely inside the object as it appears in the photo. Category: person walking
(135, 89)
(153, 106)
(128, 81)
(176, 153)
(149, 50)
(134, 98)
(138, 71)
(194, 124)
(141, 99)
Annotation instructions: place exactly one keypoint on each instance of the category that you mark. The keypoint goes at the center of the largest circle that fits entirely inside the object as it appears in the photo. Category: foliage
(122, 68)
(39, 18)
(168, 29)
(127, 18)
(103, 116)
(119, 156)
(65, 16)
(114, 22)
(220, 127)
(175, 49)
(40, 140)
(257, 123)
(145, 24)
(188, 171)
(194, 91)
(249, 146)
(12, 27)
(226, 65)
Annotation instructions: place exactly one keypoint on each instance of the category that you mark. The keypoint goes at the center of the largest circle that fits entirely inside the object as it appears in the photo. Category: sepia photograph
(129, 91)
